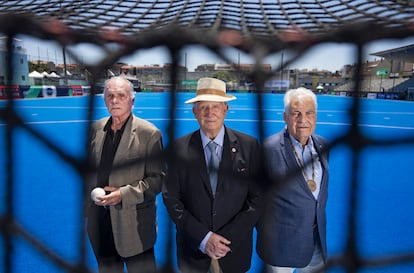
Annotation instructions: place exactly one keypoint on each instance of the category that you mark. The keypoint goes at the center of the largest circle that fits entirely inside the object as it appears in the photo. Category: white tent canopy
(35, 74)
(54, 75)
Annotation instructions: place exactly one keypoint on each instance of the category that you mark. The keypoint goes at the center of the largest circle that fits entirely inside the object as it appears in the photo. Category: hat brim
(209, 97)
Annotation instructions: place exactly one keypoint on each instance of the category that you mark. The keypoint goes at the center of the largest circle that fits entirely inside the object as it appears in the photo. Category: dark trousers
(141, 263)
(109, 261)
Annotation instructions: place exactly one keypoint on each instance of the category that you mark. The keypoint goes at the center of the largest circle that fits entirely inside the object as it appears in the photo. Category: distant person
(211, 189)
(292, 229)
(126, 150)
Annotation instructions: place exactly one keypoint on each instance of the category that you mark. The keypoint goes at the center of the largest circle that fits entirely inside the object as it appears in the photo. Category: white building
(20, 66)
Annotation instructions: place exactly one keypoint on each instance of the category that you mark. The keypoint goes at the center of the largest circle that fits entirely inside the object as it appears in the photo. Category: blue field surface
(47, 190)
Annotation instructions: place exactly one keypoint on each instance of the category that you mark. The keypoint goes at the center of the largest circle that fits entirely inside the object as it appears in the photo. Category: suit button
(214, 213)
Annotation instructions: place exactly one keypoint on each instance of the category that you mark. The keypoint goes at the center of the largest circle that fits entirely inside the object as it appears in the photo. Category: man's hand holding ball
(97, 192)
(101, 198)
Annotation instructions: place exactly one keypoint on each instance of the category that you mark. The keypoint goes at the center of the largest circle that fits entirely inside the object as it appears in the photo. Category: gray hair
(300, 94)
(129, 84)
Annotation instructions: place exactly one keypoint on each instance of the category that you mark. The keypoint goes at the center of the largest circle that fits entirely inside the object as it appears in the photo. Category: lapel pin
(233, 150)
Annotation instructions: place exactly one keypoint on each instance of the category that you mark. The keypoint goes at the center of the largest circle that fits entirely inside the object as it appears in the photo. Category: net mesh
(251, 17)
(256, 27)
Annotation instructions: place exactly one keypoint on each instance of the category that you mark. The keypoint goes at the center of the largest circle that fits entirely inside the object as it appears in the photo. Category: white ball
(97, 192)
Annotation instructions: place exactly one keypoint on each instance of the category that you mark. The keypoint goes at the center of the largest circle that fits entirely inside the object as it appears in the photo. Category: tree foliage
(224, 76)
(39, 67)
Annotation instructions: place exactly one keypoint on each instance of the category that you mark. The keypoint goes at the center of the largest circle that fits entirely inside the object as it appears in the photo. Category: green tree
(223, 75)
(39, 67)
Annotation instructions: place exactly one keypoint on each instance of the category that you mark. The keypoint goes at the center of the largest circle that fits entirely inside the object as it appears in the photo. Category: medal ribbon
(311, 183)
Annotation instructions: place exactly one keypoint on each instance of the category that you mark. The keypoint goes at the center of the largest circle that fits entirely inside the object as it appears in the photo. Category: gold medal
(311, 182)
(312, 185)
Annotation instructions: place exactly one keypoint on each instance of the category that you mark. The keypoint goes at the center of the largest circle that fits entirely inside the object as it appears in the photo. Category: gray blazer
(139, 175)
(286, 228)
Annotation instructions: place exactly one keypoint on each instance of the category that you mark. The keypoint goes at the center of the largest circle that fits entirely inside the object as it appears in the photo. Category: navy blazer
(233, 212)
(286, 228)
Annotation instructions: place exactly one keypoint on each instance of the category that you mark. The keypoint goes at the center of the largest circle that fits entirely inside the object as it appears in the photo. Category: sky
(331, 57)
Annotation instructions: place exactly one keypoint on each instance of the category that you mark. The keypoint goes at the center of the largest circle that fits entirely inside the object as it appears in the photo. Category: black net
(257, 27)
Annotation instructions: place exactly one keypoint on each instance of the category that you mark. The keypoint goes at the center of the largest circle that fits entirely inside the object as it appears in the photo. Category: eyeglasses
(297, 114)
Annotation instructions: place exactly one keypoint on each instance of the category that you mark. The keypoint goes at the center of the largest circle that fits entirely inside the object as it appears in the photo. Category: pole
(65, 78)
(186, 69)
(238, 70)
(281, 72)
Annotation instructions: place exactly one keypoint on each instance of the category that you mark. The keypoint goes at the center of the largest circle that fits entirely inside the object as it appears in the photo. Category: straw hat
(210, 89)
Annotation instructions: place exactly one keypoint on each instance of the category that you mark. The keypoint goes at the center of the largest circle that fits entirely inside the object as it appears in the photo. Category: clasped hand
(111, 199)
(217, 246)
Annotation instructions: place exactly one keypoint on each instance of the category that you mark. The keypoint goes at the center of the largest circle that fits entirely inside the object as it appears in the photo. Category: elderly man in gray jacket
(127, 153)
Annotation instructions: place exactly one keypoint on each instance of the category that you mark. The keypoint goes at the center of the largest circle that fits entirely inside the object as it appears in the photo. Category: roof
(252, 17)
(405, 53)
(258, 27)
